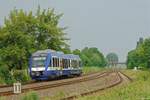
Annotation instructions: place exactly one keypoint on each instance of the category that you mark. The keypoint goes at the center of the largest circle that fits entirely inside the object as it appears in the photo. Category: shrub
(21, 75)
(5, 75)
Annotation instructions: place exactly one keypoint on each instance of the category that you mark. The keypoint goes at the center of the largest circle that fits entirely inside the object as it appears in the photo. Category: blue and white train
(45, 64)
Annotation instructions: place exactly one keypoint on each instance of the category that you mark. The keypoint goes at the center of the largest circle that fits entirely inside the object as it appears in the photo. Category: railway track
(8, 92)
(62, 83)
(119, 81)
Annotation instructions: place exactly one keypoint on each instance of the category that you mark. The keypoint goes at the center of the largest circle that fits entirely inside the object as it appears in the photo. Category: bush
(21, 75)
(9, 77)
(5, 75)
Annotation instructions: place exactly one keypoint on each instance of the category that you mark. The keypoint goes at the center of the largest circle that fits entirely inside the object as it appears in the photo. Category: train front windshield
(38, 61)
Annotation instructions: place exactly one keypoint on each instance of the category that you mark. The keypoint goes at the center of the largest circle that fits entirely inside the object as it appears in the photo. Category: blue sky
(110, 25)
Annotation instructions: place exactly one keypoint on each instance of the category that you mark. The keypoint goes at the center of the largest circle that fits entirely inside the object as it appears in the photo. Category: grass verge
(30, 96)
(139, 89)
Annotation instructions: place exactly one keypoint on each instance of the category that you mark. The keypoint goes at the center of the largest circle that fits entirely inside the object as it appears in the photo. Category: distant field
(139, 89)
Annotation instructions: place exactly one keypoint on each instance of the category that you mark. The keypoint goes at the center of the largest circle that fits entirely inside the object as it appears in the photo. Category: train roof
(66, 56)
(39, 52)
(71, 56)
(56, 54)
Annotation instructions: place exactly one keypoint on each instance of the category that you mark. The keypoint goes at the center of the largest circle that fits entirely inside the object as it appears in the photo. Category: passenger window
(60, 61)
(73, 63)
(55, 62)
(63, 63)
(68, 62)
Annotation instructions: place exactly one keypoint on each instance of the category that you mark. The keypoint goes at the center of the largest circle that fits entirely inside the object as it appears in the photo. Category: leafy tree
(85, 60)
(144, 53)
(112, 59)
(140, 56)
(77, 52)
(24, 33)
(132, 59)
(91, 57)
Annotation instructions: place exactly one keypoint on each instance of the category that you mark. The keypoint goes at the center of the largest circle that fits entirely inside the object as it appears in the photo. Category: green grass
(139, 89)
(92, 69)
(30, 96)
(2, 98)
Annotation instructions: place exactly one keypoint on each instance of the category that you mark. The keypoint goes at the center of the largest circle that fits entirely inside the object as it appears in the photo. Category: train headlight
(37, 73)
(32, 73)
